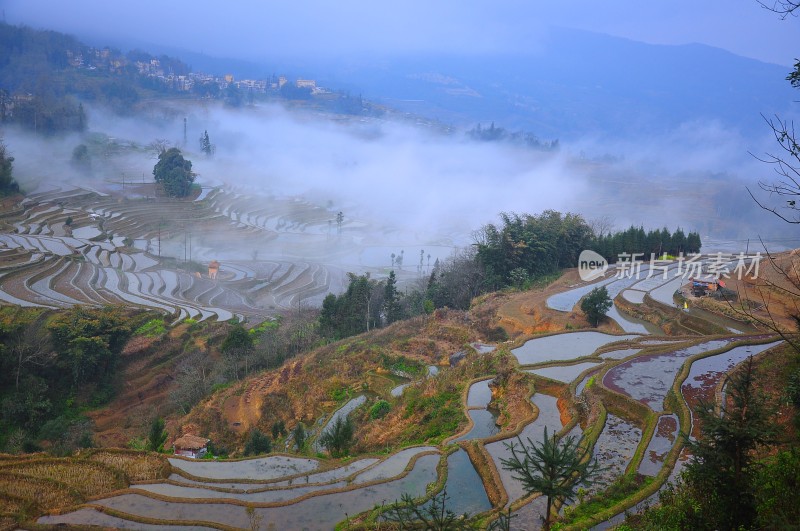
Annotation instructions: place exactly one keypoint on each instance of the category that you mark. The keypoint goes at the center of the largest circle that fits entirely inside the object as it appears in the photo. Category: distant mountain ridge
(574, 83)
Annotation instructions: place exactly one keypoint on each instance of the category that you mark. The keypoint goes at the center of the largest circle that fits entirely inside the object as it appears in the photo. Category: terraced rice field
(47, 262)
(65, 247)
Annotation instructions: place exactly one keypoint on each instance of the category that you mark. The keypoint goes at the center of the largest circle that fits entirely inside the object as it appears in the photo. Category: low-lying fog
(419, 185)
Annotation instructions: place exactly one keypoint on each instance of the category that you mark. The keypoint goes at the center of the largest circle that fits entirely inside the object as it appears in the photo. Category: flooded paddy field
(566, 346)
(664, 437)
(549, 417)
(649, 377)
(563, 373)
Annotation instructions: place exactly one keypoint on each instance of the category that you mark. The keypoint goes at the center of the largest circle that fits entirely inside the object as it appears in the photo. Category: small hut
(702, 285)
(213, 269)
(191, 446)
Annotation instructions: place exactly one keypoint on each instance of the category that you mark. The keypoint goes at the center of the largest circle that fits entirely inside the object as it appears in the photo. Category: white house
(191, 446)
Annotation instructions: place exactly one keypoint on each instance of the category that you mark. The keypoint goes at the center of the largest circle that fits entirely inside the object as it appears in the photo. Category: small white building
(191, 446)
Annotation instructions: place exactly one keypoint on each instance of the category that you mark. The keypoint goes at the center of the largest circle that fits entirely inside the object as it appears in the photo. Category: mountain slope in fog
(576, 83)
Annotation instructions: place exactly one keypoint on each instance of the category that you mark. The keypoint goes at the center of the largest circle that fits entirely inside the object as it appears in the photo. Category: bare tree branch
(784, 8)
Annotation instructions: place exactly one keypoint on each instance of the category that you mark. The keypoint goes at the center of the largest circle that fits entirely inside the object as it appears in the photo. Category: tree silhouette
(158, 436)
(174, 173)
(434, 516)
(338, 437)
(596, 305)
(552, 467)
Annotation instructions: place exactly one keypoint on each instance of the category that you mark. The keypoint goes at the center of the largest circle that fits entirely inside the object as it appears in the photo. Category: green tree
(338, 437)
(238, 339)
(552, 467)
(379, 409)
(174, 173)
(7, 182)
(722, 468)
(257, 443)
(596, 305)
(88, 341)
(81, 159)
(205, 144)
(778, 482)
(157, 435)
(392, 308)
(433, 516)
(278, 429)
(299, 435)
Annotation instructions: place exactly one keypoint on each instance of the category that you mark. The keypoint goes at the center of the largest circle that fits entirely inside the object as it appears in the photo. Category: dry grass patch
(88, 478)
(137, 466)
(41, 492)
(6, 522)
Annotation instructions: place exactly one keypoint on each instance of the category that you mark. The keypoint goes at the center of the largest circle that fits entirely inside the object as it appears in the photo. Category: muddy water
(93, 517)
(648, 378)
(660, 444)
(566, 301)
(634, 296)
(632, 325)
(706, 373)
(614, 449)
(619, 354)
(583, 383)
(323, 512)
(342, 412)
(397, 391)
(564, 346)
(464, 486)
(666, 292)
(483, 348)
(549, 418)
(484, 425)
(264, 496)
(480, 394)
(737, 327)
(263, 468)
(563, 373)
(392, 465)
(319, 512)
(319, 477)
(529, 516)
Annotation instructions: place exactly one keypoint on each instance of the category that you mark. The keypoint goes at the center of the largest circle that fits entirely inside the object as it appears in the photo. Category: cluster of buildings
(151, 67)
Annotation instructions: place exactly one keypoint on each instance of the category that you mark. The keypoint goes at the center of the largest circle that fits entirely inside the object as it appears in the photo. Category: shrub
(379, 409)
(338, 438)
(257, 443)
(299, 434)
(278, 429)
(152, 328)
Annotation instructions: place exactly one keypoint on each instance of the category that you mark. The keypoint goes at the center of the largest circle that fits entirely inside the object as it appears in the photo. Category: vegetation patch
(621, 489)
(137, 466)
(152, 328)
(37, 493)
(86, 477)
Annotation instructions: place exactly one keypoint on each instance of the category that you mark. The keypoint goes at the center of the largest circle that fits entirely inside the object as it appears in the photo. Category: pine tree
(7, 182)
(552, 467)
(721, 472)
(391, 300)
(338, 437)
(205, 144)
(158, 436)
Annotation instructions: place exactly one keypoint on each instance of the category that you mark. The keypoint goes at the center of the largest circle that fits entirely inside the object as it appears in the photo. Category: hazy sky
(255, 29)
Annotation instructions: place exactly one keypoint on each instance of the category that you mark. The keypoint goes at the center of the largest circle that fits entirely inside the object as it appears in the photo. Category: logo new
(591, 265)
